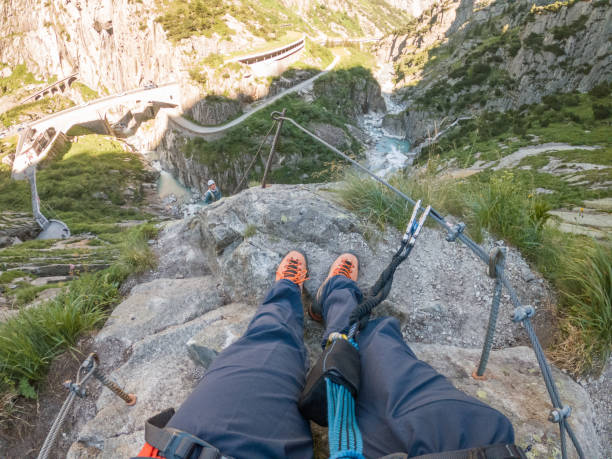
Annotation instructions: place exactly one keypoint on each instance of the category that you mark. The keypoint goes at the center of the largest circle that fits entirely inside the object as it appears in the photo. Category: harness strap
(499, 451)
(175, 443)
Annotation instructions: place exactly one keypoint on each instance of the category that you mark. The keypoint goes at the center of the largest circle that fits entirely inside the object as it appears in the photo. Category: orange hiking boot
(345, 265)
(293, 268)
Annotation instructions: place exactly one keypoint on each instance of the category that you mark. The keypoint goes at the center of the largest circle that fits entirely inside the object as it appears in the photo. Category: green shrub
(600, 91)
(514, 45)
(317, 52)
(552, 101)
(601, 111)
(183, 18)
(86, 92)
(213, 60)
(585, 284)
(17, 79)
(31, 339)
(250, 231)
(564, 32)
(136, 255)
(534, 41)
(555, 49)
(551, 7)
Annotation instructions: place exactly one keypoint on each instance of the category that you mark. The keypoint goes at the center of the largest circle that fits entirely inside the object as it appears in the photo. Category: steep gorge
(463, 57)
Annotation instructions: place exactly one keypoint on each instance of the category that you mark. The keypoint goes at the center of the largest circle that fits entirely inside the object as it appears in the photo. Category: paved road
(195, 129)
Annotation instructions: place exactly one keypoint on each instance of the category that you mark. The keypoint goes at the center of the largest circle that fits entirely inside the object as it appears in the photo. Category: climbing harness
(175, 443)
(500, 451)
(522, 314)
(88, 368)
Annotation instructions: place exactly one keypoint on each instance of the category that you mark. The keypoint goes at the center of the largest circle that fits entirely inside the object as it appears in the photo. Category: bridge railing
(259, 57)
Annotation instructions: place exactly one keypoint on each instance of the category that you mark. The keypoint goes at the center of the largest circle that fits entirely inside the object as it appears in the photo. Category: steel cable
(59, 420)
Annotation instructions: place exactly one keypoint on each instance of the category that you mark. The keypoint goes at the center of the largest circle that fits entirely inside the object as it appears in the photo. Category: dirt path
(515, 158)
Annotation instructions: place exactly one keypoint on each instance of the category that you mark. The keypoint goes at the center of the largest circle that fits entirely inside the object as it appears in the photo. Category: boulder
(441, 294)
(226, 325)
(160, 373)
(182, 255)
(154, 306)
(15, 226)
(514, 386)
(395, 124)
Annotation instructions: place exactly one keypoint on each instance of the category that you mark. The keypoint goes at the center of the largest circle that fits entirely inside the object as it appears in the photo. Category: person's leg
(404, 405)
(246, 404)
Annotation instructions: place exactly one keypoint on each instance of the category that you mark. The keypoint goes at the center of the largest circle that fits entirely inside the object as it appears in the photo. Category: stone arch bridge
(59, 87)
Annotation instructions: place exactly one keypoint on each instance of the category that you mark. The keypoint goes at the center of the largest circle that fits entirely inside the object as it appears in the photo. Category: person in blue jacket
(246, 405)
(213, 193)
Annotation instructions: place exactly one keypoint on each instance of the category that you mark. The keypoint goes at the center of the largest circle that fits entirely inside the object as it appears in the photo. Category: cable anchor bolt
(521, 313)
(496, 258)
(76, 388)
(557, 414)
(453, 233)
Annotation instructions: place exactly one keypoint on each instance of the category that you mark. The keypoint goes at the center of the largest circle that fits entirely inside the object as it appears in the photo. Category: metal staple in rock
(560, 412)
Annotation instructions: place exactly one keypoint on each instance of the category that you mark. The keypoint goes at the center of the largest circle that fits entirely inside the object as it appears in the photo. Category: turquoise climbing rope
(345, 439)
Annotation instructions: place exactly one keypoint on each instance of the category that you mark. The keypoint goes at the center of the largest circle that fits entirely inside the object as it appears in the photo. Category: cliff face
(463, 57)
(118, 44)
(101, 39)
(113, 44)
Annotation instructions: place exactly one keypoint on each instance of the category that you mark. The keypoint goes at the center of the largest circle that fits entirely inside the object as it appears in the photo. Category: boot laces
(345, 268)
(294, 273)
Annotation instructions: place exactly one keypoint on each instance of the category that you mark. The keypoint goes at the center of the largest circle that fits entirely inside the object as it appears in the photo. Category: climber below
(213, 193)
(246, 405)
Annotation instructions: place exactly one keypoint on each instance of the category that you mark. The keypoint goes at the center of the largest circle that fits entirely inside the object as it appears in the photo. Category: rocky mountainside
(464, 57)
(216, 267)
(120, 44)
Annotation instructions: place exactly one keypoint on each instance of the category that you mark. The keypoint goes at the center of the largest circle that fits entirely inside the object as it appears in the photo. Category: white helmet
(211, 182)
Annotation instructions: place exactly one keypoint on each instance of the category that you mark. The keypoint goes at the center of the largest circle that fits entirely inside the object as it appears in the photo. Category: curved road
(175, 118)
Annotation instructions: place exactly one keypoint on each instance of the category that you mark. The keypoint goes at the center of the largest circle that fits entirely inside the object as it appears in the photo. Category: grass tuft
(31, 339)
(586, 305)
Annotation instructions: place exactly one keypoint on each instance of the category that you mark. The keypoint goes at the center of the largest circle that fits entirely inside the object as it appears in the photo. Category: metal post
(496, 267)
(38, 216)
(258, 154)
(269, 163)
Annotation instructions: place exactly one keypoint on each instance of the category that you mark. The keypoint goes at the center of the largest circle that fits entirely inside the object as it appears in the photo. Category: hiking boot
(345, 265)
(293, 268)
